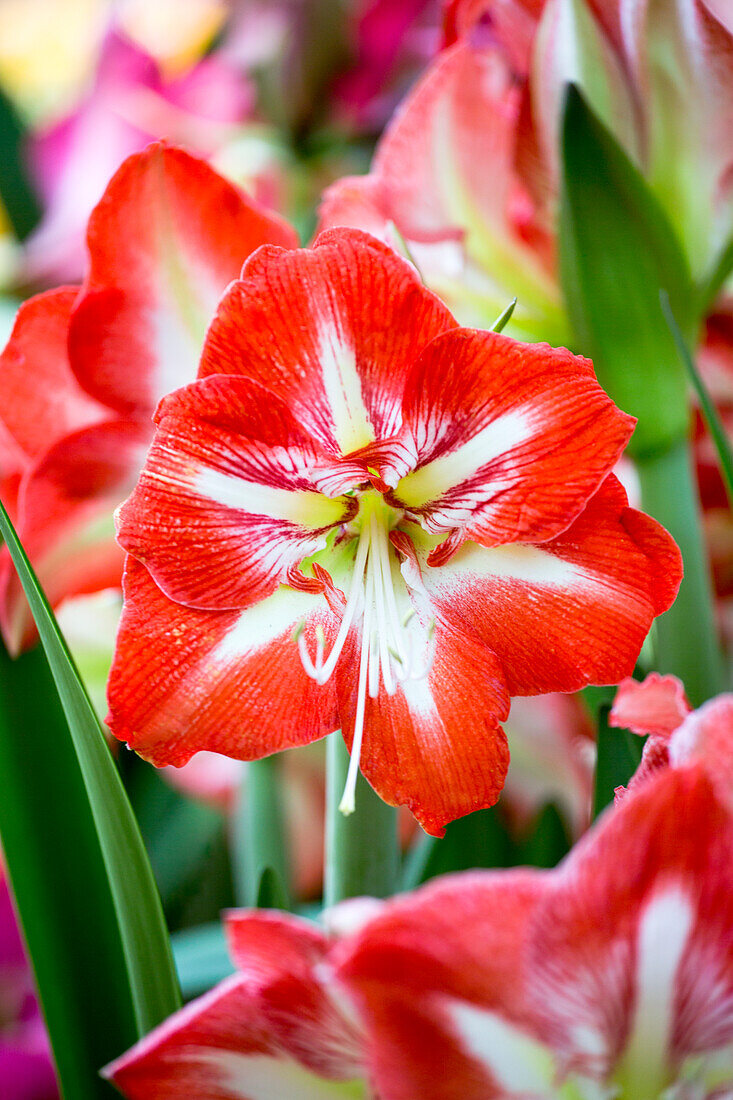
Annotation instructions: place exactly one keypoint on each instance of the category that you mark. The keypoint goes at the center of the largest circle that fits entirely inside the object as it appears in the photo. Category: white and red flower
(468, 168)
(278, 1028)
(429, 510)
(85, 366)
(609, 977)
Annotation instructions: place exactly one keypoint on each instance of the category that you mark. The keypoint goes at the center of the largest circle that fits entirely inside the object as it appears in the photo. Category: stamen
(347, 804)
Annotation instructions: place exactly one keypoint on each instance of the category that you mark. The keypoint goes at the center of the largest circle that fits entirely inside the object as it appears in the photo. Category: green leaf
(17, 195)
(709, 411)
(258, 835)
(619, 754)
(476, 840)
(618, 251)
(271, 892)
(135, 985)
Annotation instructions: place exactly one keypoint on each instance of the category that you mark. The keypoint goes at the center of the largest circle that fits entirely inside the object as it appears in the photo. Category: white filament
(387, 648)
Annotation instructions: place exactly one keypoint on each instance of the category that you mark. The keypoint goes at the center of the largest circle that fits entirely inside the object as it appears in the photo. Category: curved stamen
(347, 804)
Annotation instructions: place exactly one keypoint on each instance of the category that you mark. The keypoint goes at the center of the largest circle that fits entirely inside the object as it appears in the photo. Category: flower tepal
(362, 515)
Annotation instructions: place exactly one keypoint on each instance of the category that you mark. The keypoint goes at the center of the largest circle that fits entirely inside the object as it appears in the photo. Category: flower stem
(362, 855)
(259, 832)
(686, 635)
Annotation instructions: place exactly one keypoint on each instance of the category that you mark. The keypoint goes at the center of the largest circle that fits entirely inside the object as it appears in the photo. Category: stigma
(389, 651)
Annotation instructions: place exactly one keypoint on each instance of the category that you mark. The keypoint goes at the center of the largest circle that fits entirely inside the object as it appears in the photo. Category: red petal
(331, 330)
(658, 705)
(706, 738)
(65, 519)
(285, 956)
(653, 941)
(571, 611)
(227, 500)
(228, 681)
(435, 745)
(261, 1034)
(511, 440)
(41, 399)
(167, 237)
(459, 939)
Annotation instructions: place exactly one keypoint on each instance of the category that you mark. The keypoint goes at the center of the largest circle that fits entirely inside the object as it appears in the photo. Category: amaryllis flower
(85, 366)
(676, 735)
(659, 76)
(362, 516)
(609, 977)
(277, 1028)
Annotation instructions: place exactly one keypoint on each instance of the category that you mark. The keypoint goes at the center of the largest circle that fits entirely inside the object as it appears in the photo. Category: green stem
(259, 831)
(362, 855)
(686, 635)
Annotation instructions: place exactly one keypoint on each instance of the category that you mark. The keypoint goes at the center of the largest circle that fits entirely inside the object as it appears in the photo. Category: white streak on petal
(664, 930)
(516, 1060)
(520, 563)
(342, 384)
(309, 509)
(259, 1077)
(262, 623)
(434, 479)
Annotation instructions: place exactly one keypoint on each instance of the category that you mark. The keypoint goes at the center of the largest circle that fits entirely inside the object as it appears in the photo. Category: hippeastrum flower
(609, 978)
(658, 75)
(657, 708)
(364, 516)
(85, 366)
(277, 1028)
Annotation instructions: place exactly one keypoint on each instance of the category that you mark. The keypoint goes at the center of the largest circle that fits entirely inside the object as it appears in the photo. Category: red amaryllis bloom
(85, 366)
(428, 509)
(610, 977)
(278, 1028)
(677, 735)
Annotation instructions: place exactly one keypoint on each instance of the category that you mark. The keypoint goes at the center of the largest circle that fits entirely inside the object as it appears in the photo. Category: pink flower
(85, 366)
(130, 104)
(428, 509)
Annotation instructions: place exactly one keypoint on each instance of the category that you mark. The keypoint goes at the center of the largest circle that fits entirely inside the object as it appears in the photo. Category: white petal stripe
(435, 478)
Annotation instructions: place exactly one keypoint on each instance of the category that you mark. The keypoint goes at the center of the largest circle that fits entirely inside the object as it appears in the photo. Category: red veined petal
(65, 519)
(435, 745)
(227, 500)
(457, 943)
(228, 681)
(568, 612)
(705, 738)
(511, 440)
(285, 956)
(657, 705)
(332, 330)
(633, 972)
(167, 237)
(272, 1030)
(41, 398)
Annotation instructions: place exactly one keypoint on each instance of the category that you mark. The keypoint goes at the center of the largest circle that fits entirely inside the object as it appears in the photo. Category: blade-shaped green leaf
(59, 879)
(139, 950)
(710, 413)
(618, 251)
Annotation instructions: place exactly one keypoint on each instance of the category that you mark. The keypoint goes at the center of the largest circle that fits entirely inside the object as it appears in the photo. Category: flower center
(388, 646)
